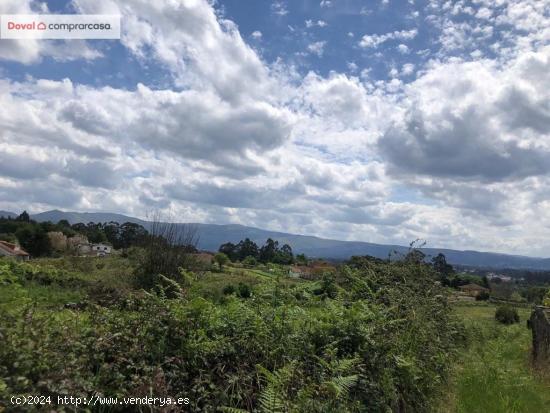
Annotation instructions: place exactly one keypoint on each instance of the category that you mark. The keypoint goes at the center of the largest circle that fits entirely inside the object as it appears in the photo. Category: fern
(172, 287)
(341, 385)
(273, 397)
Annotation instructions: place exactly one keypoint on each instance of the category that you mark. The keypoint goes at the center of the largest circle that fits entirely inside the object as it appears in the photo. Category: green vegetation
(506, 314)
(221, 259)
(494, 375)
(370, 336)
(269, 252)
(373, 337)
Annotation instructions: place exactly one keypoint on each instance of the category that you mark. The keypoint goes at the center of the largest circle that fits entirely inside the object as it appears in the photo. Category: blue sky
(381, 121)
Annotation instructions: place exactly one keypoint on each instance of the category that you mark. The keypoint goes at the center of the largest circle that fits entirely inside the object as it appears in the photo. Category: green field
(495, 374)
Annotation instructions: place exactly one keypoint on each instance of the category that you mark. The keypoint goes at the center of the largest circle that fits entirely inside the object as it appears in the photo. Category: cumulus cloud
(454, 150)
(475, 120)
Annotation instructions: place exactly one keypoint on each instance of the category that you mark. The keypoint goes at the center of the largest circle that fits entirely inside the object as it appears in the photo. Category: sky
(381, 121)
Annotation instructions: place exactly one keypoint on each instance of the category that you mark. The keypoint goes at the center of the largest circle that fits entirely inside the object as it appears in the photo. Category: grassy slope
(495, 373)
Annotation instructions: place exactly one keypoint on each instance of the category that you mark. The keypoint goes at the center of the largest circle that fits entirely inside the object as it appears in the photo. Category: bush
(244, 290)
(229, 289)
(250, 261)
(483, 296)
(506, 315)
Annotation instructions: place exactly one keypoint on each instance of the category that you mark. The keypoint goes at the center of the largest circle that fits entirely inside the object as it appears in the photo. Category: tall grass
(495, 374)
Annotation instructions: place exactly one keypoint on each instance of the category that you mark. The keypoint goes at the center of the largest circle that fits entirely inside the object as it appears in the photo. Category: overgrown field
(376, 337)
(495, 374)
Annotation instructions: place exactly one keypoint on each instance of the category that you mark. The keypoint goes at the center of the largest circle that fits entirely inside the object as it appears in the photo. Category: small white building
(101, 249)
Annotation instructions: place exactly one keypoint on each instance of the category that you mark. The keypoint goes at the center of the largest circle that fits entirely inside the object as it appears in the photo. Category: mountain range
(211, 236)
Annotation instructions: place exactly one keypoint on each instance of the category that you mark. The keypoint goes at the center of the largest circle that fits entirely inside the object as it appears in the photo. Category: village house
(99, 250)
(473, 290)
(7, 249)
(493, 277)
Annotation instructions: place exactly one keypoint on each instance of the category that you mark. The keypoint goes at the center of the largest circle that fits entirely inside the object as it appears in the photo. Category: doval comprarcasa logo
(26, 26)
(60, 26)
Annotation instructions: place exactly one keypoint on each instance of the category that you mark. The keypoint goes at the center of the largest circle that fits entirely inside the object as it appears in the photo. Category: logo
(60, 26)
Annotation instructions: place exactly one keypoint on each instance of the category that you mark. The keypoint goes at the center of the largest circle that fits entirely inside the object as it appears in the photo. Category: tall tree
(441, 266)
(23, 217)
(284, 255)
(230, 250)
(269, 250)
(247, 248)
(34, 240)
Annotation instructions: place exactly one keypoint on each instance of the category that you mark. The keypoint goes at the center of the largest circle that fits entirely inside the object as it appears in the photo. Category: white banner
(59, 26)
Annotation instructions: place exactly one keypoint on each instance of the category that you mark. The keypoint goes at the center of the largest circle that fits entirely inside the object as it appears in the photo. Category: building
(495, 277)
(7, 249)
(101, 249)
(473, 290)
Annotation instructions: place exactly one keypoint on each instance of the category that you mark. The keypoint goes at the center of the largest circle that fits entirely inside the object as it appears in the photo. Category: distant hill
(212, 236)
(6, 214)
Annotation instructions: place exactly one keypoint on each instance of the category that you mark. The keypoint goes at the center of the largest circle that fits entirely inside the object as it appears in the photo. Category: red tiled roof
(13, 249)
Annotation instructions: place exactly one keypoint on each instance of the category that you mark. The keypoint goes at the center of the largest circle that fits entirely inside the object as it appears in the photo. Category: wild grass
(495, 373)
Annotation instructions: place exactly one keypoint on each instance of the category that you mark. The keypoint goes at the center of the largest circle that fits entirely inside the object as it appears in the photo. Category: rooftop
(13, 249)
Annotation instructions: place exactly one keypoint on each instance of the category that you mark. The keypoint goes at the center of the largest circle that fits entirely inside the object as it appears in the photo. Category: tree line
(248, 251)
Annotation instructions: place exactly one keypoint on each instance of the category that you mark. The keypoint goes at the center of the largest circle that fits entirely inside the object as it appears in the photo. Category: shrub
(244, 290)
(483, 296)
(221, 259)
(166, 249)
(506, 315)
(250, 260)
(229, 289)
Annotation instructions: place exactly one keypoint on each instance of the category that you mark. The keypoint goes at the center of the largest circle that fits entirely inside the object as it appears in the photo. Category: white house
(101, 249)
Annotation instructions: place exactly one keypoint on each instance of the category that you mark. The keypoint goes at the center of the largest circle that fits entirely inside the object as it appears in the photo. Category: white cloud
(256, 34)
(352, 66)
(407, 69)
(279, 8)
(374, 40)
(403, 49)
(239, 140)
(318, 23)
(317, 48)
